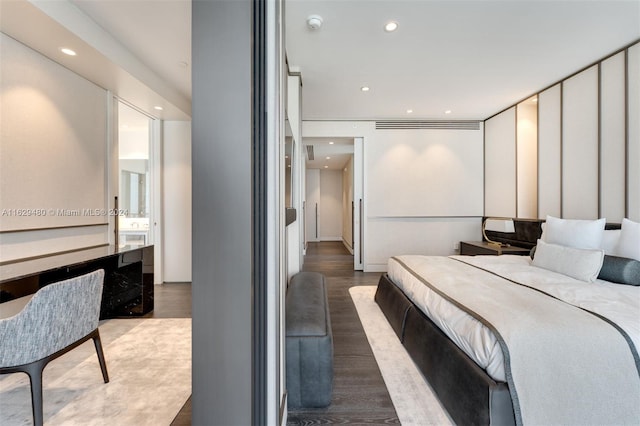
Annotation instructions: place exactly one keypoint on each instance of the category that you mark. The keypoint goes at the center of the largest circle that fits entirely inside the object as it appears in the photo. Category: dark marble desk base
(128, 281)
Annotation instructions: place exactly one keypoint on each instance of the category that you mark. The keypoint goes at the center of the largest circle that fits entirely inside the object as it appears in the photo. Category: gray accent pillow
(620, 270)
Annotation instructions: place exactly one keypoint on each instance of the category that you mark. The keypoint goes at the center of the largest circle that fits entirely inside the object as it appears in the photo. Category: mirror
(133, 194)
(289, 147)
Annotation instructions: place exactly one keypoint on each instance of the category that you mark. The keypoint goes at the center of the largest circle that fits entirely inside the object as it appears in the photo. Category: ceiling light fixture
(331, 142)
(391, 26)
(326, 167)
(448, 111)
(328, 158)
(159, 108)
(314, 22)
(365, 88)
(409, 111)
(68, 51)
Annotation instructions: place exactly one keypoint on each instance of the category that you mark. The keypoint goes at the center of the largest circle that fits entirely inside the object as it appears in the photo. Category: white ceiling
(474, 58)
(158, 32)
(471, 57)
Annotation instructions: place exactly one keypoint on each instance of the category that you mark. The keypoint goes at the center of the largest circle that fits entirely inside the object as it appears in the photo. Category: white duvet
(616, 302)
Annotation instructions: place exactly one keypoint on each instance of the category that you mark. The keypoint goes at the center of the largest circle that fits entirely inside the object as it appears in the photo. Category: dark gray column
(222, 206)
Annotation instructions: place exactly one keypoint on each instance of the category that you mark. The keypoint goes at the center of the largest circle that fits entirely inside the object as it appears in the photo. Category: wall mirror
(289, 149)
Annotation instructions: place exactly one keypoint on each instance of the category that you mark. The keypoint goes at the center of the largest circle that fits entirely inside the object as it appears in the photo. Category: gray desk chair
(58, 318)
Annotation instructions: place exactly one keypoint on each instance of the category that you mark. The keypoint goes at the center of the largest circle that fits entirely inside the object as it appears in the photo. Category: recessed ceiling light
(365, 88)
(409, 111)
(326, 167)
(159, 108)
(448, 111)
(328, 158)
(331, 143)
(391, 26)
(68, 51)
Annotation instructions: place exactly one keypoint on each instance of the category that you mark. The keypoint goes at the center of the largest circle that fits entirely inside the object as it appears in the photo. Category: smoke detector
(314, 22)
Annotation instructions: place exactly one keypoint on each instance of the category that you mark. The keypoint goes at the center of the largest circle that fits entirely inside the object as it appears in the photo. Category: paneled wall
(588, 147)
(53, 156)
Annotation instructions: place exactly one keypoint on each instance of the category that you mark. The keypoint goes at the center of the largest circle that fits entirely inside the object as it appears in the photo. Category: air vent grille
(428, 124)
(310, 155)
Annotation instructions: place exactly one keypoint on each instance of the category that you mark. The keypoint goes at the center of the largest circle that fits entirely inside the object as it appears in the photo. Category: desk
(475, 248)
(128, 279)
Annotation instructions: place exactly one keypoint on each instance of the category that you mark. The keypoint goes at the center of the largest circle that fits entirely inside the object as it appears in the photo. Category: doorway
(137, 183)
(333, 203)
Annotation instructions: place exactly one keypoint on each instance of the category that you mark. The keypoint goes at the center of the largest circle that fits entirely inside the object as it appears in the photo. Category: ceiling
(473, 58)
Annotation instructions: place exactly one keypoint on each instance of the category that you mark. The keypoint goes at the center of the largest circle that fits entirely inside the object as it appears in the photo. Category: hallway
(359, 393)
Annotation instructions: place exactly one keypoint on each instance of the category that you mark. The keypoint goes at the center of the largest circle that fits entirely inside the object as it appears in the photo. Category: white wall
(430, 228)
(347, 203)
(176, 167)
(330, 205)
(53, 156)
(312, 205)
(527, 160)
(633, 126)
(584, 161)
(500, 165)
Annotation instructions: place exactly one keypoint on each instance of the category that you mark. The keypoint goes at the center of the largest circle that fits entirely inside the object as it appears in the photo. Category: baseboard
(347, 246)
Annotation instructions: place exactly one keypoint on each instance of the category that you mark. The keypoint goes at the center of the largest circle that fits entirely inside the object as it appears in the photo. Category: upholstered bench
(309, 342)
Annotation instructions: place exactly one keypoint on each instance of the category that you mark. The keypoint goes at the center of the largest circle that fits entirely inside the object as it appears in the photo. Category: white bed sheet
(619, 303)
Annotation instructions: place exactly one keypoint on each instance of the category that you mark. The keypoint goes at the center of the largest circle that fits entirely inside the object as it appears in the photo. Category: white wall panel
(331, 205)
(312, 205)
(634, 132)
(580, 145)
(176, 202)
(527, 160)
(425, 236)
(24, 244)
(549, 152)
(53, 127)
(612, 138)
(425, 173)
(500, 165)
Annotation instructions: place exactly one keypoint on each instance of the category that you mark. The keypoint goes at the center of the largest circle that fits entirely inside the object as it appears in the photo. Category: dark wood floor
(359, 393)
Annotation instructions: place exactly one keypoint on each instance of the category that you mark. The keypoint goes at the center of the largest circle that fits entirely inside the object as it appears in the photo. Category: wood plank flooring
(359, 393)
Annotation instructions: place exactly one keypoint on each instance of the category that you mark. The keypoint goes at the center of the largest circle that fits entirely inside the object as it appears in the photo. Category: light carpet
(149, 365)
(412, 397)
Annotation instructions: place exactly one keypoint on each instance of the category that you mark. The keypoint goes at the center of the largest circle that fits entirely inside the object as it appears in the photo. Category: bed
(504, 340)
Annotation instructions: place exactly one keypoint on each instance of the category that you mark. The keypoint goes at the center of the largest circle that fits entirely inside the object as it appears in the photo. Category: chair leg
(103, 365)
(34, 371)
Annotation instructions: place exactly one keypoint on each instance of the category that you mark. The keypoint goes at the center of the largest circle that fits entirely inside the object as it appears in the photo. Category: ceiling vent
(310, 155)
(427, 124)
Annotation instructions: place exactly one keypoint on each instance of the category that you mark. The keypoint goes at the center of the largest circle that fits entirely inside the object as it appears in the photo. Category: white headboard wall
(588, 143)
(53, 150)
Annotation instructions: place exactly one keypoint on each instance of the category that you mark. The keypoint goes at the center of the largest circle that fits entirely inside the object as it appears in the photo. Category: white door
(358, 205)
(312, 206)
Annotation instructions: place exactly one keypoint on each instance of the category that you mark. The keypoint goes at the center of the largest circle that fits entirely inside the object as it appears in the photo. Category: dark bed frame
(465, 390)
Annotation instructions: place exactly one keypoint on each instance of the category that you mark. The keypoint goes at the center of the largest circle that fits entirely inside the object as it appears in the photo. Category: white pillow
(581, 264)
(629, 242)
(610, 238)
(583, 234)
